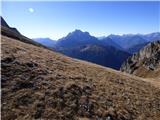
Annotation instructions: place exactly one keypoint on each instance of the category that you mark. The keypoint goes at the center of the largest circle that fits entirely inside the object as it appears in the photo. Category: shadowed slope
(6, 30)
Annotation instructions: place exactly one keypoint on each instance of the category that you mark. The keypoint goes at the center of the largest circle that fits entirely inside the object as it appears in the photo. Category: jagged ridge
(147, 59)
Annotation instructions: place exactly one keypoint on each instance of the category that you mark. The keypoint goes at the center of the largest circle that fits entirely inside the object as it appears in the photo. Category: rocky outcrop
(147, 58)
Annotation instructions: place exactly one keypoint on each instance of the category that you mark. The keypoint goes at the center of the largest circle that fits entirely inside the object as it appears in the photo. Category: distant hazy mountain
(127, 41)
(136, 48)
(109, 42)
(152, 36)
(75, 39)
(46, 41)
(101, 37)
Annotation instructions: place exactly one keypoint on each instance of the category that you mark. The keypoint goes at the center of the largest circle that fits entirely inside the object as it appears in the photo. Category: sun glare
(31, 10)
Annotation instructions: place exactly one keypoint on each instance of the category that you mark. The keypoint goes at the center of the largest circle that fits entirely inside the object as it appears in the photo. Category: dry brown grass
(145, 73)
(38, 83)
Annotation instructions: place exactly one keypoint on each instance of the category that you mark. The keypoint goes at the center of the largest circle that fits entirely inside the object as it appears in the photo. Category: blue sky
(57, 19)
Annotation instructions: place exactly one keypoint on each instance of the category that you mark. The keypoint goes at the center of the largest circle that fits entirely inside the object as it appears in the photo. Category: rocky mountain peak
(78, 34)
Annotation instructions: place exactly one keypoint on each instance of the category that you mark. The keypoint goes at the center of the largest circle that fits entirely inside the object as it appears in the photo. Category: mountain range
(127, 41)
(110, 51)
(122, 42)
(83, 46)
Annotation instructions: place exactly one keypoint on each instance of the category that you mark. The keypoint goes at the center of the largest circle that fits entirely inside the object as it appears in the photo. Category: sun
(31, 10)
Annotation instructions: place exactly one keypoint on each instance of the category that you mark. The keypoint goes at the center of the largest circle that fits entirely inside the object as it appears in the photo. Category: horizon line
(123, 34)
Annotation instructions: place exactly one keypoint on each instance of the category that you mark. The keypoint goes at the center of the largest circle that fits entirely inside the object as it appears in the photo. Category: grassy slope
(39, 83)
(145, 73)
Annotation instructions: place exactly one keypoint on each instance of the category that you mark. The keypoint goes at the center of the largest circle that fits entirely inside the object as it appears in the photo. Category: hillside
(99, 54)
(41, 84)
(6, 30)
(145, 63)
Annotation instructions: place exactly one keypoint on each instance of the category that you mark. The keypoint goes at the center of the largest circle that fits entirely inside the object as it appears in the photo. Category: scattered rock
(40, 108)
(24, 100)
(23, 85)
(7, 60)
(31, 64)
